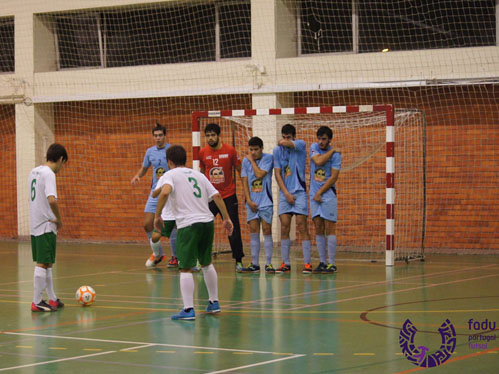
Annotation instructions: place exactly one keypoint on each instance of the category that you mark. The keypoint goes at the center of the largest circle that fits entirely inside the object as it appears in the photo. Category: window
(155, 35)
(7, 62)
(326, 26)
(371, 26)
(425, 24)
(235, 30)
(78, 40)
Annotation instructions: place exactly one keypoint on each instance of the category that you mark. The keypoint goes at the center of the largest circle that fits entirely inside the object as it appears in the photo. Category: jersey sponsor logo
(217, 175)
(225, 155)
(257, 185)
(208, 157)
(320, 175)
(287, 172)
(160, 172)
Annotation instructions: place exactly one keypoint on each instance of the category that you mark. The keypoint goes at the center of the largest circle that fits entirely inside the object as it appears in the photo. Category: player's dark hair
(55, 152)
(255, 142)
(324, 130)
(288, 129)
(159, 128)
(177, 155)
(212, 127)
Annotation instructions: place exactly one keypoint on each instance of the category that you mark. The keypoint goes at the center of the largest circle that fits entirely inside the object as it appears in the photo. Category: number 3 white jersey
(167, 212)
(191, 193)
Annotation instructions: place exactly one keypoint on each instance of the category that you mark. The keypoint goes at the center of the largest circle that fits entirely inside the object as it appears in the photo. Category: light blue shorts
(326, 209)
(151, 204)
(266, 213)
(300, 206)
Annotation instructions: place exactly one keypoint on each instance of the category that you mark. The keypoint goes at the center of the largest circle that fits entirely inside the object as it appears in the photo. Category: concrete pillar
(34, 123)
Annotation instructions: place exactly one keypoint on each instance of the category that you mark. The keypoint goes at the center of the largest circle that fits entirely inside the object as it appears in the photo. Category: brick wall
(462, 159)
(106, 141)
(8, 189)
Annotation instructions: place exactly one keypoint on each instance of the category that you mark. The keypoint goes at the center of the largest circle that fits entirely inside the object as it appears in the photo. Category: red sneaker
(56, 304)
(173, 263)
(42, 306)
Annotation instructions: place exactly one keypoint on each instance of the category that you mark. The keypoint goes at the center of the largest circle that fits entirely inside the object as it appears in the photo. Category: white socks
(187, 289)
(156, 247)
(211, 281)
(49, 285)
(39, 283)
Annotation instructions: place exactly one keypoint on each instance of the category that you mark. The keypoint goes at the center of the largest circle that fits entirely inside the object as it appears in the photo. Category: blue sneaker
(183, 315)
(213, 307)
(251, 269)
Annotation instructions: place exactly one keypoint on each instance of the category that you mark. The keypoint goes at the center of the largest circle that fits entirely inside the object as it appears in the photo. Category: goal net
(367, 198)
(97, 76)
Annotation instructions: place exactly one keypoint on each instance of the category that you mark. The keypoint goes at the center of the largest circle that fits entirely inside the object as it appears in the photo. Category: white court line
(132, 342)
(253, 365)
(59, 360)
(138, 347)
(391, 292)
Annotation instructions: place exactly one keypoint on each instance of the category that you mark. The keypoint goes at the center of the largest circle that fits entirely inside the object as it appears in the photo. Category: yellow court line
(24, 346)
(323, 354)
(203, 353)
(272, 311)
(128, 350)
(166, 351)
(242, 353)
(364, 354)
(58, 348)
(92, 349)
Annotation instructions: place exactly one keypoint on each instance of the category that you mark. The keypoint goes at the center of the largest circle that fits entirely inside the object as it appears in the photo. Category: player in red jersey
(217, 161)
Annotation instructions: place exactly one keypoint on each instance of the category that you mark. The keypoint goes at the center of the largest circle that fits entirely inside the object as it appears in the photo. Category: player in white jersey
(45, 220)
(190, 192)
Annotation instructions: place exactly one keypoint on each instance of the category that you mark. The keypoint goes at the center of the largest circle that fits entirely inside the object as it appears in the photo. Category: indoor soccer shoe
(152, 261)
(269, 269)
(239, 267)
(284, 268)
(307, 269)
(56, 304)
(42, 306)
(319, 269)
(173, 263)
(251, 269)
(185, 316)
(213, 307)
(330, 268)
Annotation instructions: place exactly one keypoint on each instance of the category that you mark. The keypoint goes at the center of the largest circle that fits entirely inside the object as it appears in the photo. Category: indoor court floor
(348, 322)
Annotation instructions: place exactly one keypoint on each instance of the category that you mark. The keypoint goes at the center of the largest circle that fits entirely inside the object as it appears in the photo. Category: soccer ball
(85, 295)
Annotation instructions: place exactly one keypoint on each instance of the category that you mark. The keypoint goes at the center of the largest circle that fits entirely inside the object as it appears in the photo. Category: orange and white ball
(85, 295)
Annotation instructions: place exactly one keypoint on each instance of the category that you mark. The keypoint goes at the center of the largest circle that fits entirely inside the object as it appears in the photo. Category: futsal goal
(381, 187)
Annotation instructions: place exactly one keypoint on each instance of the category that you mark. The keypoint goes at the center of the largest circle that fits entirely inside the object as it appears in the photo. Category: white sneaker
(152, 261)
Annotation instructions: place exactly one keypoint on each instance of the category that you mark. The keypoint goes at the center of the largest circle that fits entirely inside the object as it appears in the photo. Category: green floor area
(349, 322)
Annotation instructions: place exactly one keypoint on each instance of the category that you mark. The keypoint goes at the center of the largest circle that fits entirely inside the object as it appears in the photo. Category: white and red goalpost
(354, 124)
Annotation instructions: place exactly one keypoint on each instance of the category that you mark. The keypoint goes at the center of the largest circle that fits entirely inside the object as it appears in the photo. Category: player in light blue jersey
(290, 158)
(256, 174)
(325, 165)
(155, 157)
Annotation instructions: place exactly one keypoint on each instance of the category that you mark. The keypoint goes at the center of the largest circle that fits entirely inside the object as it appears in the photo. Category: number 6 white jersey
(191, 193)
